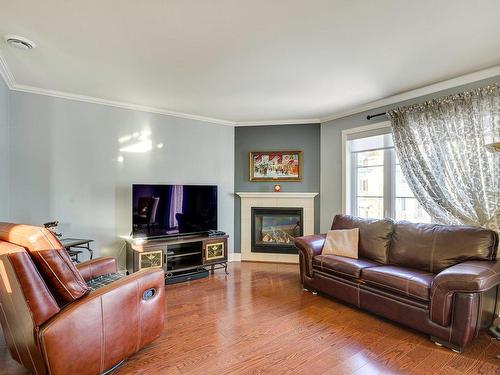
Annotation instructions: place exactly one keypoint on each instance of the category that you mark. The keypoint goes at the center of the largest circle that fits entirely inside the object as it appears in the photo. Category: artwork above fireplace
(274, 229)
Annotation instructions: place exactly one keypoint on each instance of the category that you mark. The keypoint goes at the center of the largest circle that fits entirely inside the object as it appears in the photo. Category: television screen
(171, 210)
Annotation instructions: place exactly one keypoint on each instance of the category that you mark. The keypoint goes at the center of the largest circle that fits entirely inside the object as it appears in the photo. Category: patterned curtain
(441, 149)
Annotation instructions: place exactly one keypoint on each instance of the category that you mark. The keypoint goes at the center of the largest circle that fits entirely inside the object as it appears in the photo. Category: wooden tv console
(182, 258)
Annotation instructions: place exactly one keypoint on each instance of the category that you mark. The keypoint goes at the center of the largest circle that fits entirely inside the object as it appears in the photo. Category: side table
(70, 244)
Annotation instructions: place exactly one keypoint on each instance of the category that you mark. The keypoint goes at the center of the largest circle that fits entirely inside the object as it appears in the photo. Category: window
(374, 185)
(370, 183)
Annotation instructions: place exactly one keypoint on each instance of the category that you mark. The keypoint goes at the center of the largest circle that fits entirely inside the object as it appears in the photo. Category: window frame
(348, 183)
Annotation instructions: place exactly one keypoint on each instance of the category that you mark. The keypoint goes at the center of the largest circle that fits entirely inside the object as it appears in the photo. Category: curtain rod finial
(369, 117)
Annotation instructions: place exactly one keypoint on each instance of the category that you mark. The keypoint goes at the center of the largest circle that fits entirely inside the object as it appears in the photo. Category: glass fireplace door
(274, 229)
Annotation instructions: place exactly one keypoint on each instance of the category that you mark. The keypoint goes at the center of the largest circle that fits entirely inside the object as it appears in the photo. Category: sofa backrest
(50, 258)
(374, 235)
(434, 247)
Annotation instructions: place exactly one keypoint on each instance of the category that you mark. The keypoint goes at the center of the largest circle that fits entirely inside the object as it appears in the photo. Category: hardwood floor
(258, 320)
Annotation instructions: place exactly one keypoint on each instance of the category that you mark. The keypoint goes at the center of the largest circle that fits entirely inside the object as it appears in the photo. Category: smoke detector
(19, 42)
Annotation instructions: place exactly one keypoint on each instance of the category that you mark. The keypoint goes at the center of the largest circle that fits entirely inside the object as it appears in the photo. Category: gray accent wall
(331, 148)
(64, 165)
(304, 138)
(4, 153)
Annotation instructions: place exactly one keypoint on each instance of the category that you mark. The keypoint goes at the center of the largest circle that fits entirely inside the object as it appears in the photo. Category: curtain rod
(378, 114)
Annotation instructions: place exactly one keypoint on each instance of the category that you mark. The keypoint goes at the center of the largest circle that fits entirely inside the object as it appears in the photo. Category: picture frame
(275, 165)
(150, 259)
(214, 251)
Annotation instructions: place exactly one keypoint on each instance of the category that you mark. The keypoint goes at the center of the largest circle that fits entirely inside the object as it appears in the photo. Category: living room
(236, 187)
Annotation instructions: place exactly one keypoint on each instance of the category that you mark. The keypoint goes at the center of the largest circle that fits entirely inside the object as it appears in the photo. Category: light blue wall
(331, 149)
(64, 165)
(304, 138)
(4, 153)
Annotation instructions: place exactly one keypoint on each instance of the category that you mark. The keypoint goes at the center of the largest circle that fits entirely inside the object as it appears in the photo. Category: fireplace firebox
(274, 229)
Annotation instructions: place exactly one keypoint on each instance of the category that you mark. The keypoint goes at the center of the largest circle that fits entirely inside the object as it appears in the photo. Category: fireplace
(274, 228)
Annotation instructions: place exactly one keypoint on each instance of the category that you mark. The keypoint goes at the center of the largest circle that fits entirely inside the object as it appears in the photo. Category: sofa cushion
(374, 235)
(50, 258)
(434, 247)
(343, 266)
(406, 281)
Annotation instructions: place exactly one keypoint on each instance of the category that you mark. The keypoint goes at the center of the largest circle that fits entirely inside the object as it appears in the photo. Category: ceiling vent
(19, 42)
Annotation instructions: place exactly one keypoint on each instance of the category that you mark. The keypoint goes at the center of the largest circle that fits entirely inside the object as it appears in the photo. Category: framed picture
(214, 251)
(150, 259)
(275, 165)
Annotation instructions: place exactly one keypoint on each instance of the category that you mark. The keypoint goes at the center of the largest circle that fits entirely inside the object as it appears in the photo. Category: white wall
(64, 167)
(4, 152)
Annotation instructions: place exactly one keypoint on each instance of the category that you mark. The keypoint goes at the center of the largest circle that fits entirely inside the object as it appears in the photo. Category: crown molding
(8, 77)
(6, 74)
(279, 122)
(412, 94)
(113, 103)
(11, 83)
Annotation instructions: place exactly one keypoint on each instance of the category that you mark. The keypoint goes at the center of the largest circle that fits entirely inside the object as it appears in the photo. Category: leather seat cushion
(342, 265)
(406, 281)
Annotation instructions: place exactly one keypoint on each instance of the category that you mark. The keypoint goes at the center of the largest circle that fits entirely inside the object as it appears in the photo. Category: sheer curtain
(442, 153)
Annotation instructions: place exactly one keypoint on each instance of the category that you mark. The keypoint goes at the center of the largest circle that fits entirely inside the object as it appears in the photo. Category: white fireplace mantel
(251, 200)
(275, 195)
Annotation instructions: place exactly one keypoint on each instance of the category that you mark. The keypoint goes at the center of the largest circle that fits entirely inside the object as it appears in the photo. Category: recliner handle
(148, 294)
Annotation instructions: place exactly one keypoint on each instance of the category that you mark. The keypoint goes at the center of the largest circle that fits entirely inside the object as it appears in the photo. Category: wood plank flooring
(258, 320)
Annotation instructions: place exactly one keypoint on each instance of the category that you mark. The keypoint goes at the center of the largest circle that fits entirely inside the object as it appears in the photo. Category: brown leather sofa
(441, 280)
(54, 323)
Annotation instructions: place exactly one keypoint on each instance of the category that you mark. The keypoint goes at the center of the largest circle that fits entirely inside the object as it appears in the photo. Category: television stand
(182, 258)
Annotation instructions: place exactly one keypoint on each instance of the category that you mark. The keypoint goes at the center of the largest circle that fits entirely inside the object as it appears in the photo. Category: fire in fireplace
(273, 229)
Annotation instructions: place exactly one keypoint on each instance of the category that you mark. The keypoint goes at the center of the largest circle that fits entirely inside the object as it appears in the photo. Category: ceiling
(245, 61)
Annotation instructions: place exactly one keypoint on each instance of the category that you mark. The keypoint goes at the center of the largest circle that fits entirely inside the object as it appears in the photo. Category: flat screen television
(173, 210)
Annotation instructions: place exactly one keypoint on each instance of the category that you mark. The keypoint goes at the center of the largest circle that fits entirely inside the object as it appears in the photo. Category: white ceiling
(253, 60)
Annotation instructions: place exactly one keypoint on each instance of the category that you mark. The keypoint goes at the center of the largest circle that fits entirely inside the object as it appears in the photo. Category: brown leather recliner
(441, 280)
(54, 323)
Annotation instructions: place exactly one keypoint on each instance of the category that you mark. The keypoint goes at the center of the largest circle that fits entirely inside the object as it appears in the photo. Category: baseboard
(268, 261)
(235, 257)
(270, 257)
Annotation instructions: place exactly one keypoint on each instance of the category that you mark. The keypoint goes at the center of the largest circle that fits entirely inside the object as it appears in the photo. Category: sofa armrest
(308, 247)
(111, 323)
(467, 277)
(97, 267)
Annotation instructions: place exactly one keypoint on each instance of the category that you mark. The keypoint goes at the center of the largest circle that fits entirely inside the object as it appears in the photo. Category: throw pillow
(342, 242)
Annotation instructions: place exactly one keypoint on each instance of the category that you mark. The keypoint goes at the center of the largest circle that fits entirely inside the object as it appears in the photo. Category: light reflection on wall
(136, 142)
